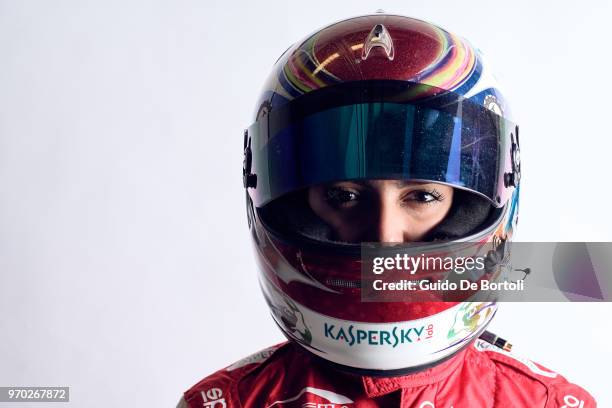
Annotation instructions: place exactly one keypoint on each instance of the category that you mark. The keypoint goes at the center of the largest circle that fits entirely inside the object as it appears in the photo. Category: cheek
(330, 215)
(347, 226)
(318, 204)
(423, 218)
(429, 215)
(440, 211)
(352, 231)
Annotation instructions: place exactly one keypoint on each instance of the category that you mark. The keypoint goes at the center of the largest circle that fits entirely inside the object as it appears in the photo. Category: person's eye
(423, 197)
(342, 197)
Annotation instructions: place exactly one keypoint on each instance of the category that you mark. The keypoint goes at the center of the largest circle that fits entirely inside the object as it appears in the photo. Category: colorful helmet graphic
(376, 97)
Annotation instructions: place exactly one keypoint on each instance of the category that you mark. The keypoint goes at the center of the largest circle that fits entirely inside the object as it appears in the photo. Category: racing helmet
(375, 97)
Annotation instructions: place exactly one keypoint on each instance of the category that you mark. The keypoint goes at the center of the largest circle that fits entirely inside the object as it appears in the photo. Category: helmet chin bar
(393, 348)
(397, 372)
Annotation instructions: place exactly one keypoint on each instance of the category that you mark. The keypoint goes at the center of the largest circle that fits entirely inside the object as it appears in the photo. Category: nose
(390, 226)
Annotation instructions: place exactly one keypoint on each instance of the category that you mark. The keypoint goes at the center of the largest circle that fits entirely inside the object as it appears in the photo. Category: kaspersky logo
(395, 336)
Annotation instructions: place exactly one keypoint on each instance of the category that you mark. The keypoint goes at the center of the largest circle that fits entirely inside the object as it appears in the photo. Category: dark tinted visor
(381, 130)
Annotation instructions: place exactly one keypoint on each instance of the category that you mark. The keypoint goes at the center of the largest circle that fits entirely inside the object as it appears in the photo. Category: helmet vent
(378, 37)
(342, 283)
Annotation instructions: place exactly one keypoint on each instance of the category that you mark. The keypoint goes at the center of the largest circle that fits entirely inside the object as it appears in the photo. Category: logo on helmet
(470, 317)
(397, 335)
(291, 318)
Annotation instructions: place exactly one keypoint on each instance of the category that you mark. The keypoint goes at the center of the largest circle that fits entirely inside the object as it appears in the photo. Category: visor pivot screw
(249, 180)
(513, 178)
(509, 179)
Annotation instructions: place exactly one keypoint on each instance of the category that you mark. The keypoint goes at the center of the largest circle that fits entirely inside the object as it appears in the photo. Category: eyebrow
(401, 183)
(397, 183)
(404, 183)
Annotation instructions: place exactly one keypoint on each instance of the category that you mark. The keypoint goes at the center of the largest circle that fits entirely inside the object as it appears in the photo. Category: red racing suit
(481, 375)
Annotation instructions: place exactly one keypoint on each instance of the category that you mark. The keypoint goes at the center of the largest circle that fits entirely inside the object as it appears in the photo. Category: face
(381, 210)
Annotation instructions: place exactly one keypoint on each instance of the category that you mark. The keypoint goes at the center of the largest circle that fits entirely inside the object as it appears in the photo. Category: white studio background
(126, 271)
